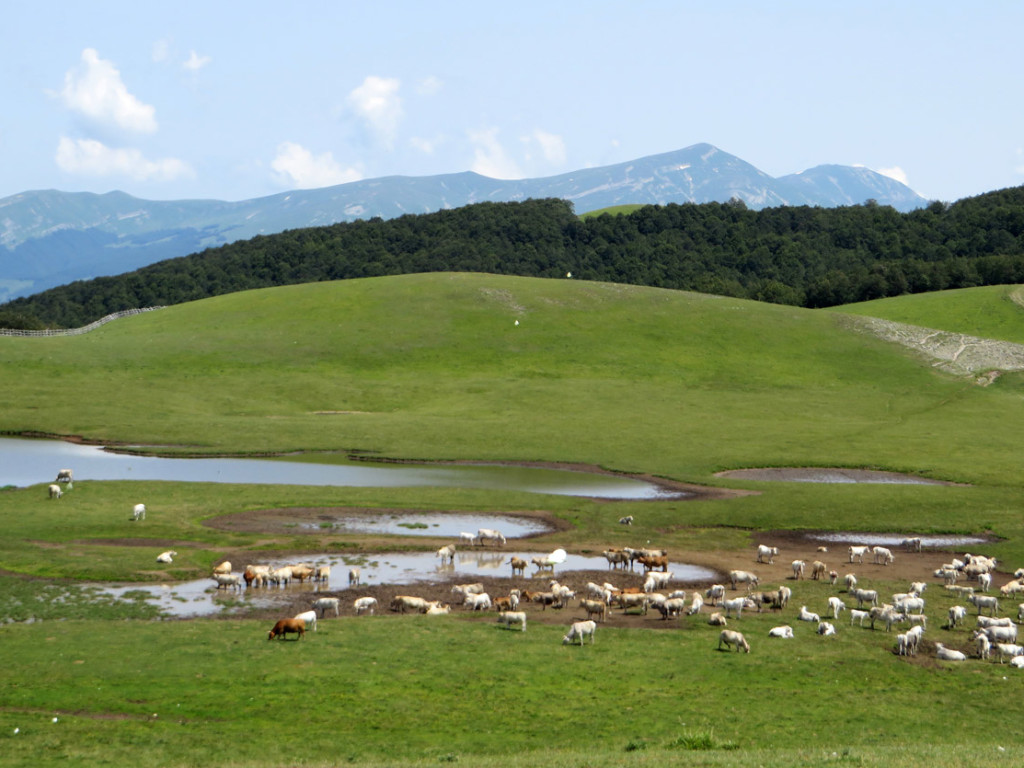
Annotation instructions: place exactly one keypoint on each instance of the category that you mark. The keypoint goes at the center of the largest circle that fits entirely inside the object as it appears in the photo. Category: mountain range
(49, 238)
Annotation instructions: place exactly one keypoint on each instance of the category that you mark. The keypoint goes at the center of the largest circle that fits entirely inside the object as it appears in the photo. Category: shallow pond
(826, 475)
(201, 598)
(427, 524)
(27, 462)
(895, 540)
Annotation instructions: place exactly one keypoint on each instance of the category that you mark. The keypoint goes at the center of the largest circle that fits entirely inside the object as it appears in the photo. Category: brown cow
(284, 626)
(652, 562)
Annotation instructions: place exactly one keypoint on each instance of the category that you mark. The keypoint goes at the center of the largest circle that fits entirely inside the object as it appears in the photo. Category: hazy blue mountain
(49, 238)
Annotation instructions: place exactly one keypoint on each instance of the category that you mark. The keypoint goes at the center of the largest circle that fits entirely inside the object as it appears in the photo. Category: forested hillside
(813, 257)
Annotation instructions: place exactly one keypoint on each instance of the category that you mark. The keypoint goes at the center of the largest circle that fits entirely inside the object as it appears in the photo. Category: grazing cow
(365, 605)
(402, 602)
(912, 544)
(580, 629)
(818, 569)
(518, 566)
(284, 626)
(627, 520)
(508, 618)
(65, 476)
(55, 491)
(731, 637)
(468, 538)
(138, 512)
(485, 535)
(743, 577)
(882, 555)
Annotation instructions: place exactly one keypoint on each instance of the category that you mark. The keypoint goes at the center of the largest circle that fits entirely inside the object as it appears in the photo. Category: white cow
(769, 552)
(55, 491)
(731, 637)
(166, 557)
(580, 629)
(835, 605)
(365, 605)
(485, 535)
(858, 552)
(883, 555)
(447, 553)
(324, 604)
(139, 512)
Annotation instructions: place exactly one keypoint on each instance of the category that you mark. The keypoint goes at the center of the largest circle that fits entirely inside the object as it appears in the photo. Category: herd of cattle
(993, 637)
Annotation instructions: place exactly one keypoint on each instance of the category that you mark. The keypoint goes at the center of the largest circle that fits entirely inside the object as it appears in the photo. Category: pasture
(432, 367)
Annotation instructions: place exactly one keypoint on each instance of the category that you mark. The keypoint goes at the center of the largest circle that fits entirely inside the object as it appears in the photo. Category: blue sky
(235, 100)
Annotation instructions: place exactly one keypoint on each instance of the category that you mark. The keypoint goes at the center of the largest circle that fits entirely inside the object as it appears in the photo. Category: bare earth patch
(955, 353)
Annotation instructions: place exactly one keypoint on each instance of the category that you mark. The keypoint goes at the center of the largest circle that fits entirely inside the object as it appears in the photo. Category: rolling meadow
(468, 367)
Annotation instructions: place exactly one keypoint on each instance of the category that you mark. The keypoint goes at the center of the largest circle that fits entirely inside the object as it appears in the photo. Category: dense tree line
(813, 257)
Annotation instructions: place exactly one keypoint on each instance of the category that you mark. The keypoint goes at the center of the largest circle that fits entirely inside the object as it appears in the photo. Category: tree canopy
(811, 257)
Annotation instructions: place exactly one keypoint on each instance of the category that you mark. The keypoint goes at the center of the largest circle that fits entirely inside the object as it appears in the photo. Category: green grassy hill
(436, 367)
(993, 312)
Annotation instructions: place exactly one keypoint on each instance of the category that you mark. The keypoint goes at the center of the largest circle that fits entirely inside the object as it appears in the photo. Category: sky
(232, 100)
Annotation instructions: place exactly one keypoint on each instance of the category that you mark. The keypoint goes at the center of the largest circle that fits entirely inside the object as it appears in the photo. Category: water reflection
(27, 462)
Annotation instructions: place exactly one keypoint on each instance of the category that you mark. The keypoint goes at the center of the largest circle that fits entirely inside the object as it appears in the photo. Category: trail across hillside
(956, 353)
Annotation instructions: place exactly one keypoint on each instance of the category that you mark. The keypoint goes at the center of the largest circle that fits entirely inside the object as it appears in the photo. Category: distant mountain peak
(48, 237)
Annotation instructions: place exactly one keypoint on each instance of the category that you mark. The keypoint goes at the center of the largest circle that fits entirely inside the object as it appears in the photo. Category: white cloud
(96, 91)
(377, 102)
(896, 173)
(552, 146)
(490, 158)
(297, 167)
(93, 158)
(195, 62)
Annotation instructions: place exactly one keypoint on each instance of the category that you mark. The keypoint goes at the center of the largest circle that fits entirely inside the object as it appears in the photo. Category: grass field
(434, 367)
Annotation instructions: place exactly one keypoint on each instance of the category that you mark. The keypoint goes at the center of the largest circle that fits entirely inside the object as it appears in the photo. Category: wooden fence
(77, 331)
